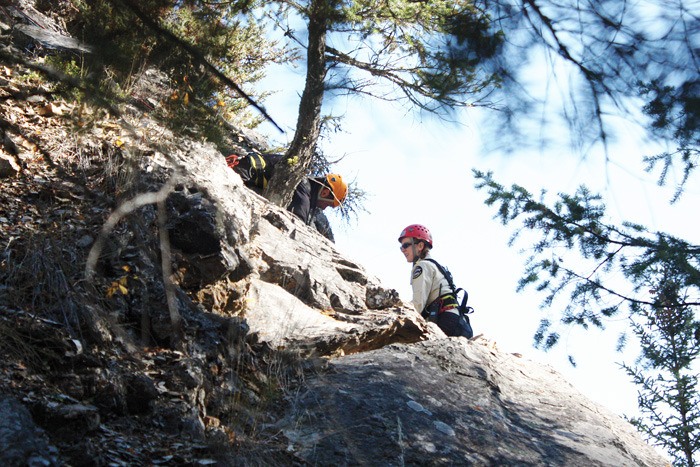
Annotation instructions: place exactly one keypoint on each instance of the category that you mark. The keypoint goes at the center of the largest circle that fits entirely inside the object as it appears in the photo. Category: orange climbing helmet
(338, 187)
(418, 231)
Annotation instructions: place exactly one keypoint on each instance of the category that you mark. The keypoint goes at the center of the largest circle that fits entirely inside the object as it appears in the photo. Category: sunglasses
(406, 245)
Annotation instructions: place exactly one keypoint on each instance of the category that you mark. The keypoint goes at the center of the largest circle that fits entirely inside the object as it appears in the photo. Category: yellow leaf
(186, 99)
(126, 268)
(118, 142)
(123, 281)
(123, 290)
(111, 290)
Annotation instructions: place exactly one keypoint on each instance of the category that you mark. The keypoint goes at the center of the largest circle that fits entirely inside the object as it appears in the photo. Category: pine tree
(580, 256)
(435, 55)
(665, 375)
(617, 59)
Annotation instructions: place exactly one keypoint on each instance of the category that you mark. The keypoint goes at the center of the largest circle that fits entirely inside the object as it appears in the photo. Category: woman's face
(409, 249)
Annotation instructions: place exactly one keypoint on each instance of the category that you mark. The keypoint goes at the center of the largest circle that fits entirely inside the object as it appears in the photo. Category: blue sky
(420, 171)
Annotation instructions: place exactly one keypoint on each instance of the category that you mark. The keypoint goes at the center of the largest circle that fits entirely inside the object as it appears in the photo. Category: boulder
(452, 401)
(240, 255)
(22, 442)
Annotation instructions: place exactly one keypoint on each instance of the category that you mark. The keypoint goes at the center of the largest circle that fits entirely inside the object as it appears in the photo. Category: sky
(419, 171)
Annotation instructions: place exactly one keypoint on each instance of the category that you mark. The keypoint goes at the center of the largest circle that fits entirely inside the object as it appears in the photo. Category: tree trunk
(287, 176)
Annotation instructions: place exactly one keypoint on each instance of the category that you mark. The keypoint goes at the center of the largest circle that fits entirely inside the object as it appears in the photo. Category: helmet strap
(414, 249)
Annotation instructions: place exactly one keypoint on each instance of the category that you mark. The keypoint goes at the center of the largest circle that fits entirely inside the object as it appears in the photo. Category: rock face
(419, 398)
(454, 402)
(21, 441)
(262, 263)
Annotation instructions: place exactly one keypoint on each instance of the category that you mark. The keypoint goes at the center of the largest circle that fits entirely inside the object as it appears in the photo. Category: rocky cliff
(154, 311)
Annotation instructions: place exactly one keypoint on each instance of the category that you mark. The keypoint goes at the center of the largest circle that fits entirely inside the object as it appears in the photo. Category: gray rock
(140, 393)
(26, 33)
(294, 289)
(68, 422)
(22, 442)
(85, 241)
(455, 402)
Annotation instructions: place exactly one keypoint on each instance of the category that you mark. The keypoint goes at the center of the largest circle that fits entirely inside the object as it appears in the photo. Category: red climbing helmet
(417, 231)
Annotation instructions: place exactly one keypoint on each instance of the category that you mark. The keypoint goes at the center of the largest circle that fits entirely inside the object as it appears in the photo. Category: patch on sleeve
(417, 272)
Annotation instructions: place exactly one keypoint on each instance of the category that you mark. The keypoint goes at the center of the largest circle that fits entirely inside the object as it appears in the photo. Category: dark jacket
(256, 171)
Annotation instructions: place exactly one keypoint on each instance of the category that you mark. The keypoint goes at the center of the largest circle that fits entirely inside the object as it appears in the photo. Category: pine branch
(196, 55)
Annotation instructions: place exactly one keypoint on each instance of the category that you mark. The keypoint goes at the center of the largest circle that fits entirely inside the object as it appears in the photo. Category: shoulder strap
(444, 272)
(448, 276)
(262, 167)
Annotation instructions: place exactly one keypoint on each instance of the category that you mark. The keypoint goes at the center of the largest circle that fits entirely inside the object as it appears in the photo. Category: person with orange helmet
(311, 196)
(433, 292)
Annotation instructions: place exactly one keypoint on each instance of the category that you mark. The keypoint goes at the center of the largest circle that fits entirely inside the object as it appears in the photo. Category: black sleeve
(301, 201)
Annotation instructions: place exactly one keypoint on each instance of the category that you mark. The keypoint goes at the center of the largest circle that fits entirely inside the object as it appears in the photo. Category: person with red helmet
(433, 295)
(311, 196)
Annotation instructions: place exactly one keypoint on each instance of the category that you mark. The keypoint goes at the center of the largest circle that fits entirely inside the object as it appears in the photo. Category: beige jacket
(428, 283)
